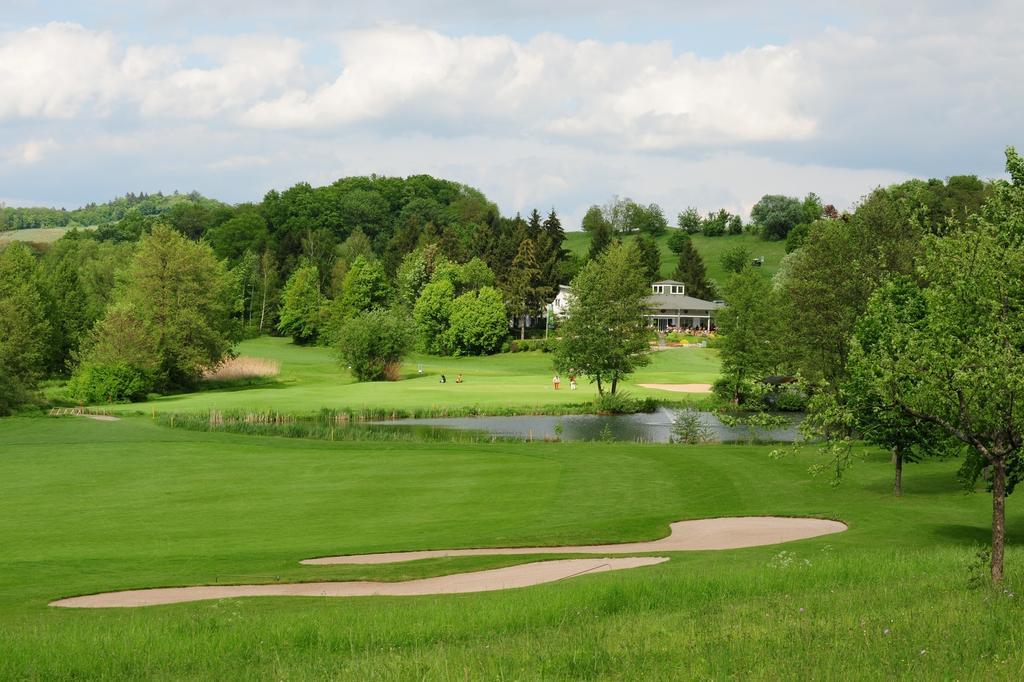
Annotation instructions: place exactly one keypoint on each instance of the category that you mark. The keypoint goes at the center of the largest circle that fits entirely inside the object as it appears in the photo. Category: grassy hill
(709, 248)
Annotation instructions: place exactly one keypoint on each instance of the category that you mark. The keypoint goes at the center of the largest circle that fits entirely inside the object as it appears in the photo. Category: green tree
(600, 240)
(735, 259)
(649, 220)
(689, 221)
(25, 331)
(246, 231)
(690, 271)
(432, 314)
(523, 289)
(415, 272)
(775, 215)
(604, 333)
(366, 287)
(678, 241)
(373, 343)
(180, 296)
(300, 305)
(478, 323)
(749, 332)
(594, 219)
(961, 367)
(649, 256)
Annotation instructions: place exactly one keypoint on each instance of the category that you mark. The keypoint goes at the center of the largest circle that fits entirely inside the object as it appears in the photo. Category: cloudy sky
(538, 103)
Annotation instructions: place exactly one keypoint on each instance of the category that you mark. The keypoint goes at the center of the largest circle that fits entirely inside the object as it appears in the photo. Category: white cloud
(54, 71)
(638, 95)
(248, 68)
(32, 151)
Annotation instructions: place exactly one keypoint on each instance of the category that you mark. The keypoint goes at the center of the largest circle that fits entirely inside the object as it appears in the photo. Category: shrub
(525, 345)
(478, 323)
(623, 403)
(109, 383)
(373, 343)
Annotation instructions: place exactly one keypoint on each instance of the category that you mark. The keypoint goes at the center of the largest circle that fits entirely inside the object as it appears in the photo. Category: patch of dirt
(700, 534)
(508, 578)
(680, 388)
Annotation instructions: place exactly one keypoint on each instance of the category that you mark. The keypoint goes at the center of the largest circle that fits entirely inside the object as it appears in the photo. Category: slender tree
(604, 333)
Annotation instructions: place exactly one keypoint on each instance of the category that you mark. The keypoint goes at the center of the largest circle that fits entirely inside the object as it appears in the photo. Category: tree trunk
(522, 327)
(600, 390)
(998, 518)
(897, 460)
(615, 383)
(263, 303)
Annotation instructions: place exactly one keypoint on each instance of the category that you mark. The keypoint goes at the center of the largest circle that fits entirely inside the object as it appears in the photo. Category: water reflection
(655, 427)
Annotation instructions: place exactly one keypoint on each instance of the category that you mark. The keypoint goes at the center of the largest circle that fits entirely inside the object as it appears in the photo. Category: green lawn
(39, 235)
(92, 506)
(709, 248)
(312, 378)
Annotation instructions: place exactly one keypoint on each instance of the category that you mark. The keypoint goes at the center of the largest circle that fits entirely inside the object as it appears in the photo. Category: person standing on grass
(572, 382)
(557, 382)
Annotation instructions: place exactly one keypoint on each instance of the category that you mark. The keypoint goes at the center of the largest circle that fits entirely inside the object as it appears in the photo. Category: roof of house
(680, 302)
(668, 281)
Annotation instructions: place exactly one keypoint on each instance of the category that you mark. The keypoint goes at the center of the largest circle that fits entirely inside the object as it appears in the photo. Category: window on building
(677, 289)
(658, 289)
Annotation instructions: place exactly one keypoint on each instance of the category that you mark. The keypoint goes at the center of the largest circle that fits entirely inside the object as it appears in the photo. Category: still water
(655, 427)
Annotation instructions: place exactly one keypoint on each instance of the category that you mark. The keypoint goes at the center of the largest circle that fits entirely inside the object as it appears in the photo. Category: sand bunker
(101, 417)
(507, 578)
(680, 388)
(724, 533)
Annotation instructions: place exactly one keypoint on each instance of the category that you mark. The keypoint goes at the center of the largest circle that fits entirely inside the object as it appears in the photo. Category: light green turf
(39, 235)
(709, 248)
(311, 378)
(92, 506)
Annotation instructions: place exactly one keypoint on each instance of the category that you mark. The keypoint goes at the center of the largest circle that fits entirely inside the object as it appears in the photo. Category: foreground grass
(88, 506)
(312, 378)
(709, 248)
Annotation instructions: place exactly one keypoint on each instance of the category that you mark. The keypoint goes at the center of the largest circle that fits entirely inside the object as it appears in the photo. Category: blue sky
(538, 104)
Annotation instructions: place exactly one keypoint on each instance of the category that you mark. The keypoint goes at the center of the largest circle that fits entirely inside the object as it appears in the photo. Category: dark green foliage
(26, 334)
(690, 271)
(141, 204)
(373, 343)
(176, 302)
(594, 220)
(432, 313)
(736, 259)
(114, 383)
(797, 236)
(478, 324)
(689, 221)
(601, 239)
(750, 327)
(301, 301)
(775, 215)
(604, 333)
(649, 257)
(677, 241)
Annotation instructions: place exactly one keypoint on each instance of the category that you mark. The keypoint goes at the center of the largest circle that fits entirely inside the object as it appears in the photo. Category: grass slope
(88, 506)
(37, 235)
(709, 248)
(312, 378)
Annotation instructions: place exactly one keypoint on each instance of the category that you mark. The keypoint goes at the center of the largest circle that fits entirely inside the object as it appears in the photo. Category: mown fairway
(709, 248)
(91, 506)
(312, 378)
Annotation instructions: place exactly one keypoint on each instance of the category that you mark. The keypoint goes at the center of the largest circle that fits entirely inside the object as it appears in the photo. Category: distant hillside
(709, 248)
(97, 214)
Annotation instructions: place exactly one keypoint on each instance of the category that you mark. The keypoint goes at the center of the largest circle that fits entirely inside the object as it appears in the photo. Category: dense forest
(163, 286)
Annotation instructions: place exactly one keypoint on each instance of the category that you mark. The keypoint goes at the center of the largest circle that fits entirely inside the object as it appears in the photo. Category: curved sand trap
(723, 533)
(507, 578)
(680, 388)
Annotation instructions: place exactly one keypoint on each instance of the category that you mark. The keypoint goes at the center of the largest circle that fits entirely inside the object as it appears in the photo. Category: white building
(667, 306)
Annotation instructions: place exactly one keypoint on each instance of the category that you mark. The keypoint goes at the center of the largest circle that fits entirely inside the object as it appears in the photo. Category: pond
(655, 427)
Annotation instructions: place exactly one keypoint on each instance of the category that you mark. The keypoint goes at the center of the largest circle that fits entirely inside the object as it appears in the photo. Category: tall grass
(243, 367)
